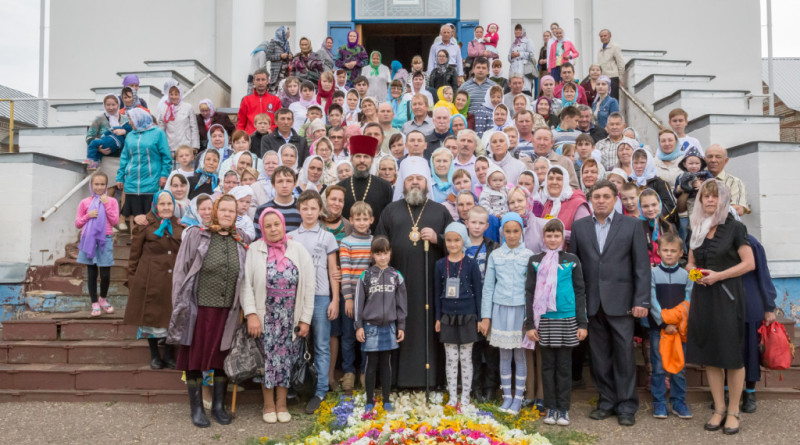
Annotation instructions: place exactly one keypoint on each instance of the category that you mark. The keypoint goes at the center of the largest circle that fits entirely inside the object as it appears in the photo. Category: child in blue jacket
(113, 138)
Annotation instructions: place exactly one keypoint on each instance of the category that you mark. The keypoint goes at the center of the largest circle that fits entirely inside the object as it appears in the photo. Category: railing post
(11, 127)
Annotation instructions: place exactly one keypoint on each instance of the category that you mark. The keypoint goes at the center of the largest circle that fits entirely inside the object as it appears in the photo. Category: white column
(563, 13)
(311, 22)
(497, 11)
(247, 31)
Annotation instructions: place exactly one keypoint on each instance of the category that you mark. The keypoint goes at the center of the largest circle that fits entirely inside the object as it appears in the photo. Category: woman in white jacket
(277, 298)
(178, 120)
(522, 56)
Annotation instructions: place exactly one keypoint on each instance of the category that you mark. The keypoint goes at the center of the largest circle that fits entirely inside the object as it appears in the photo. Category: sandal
(96, 310)
(732, 431)
(105, 305)
(711, 427)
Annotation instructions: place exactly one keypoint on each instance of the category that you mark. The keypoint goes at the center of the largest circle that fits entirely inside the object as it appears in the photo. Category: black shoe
(313, 405)
(579, 384)
(198, 414)
(600, 414)
(626, 419)
(712, 427)
(488, 395)
(749, 402)
(155, 357)
(218, 400)
(731, 431)
(169, 357)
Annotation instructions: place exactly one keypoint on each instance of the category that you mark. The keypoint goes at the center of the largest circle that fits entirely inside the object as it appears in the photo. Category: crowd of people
(508, 227)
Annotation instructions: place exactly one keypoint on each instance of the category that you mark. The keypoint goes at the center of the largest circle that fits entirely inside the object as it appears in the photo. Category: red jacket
(254, 104)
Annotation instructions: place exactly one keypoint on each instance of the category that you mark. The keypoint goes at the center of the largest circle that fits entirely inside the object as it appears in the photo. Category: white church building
(702, 56)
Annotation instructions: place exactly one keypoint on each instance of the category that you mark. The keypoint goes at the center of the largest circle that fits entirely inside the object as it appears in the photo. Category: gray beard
(415, 197)
(361, 174)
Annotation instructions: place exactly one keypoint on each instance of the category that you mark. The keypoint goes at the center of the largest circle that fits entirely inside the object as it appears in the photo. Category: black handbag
(304, 377)
(246, 357)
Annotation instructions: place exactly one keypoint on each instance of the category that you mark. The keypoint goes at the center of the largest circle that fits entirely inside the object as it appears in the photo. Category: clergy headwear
(365, 145)
(412, 165)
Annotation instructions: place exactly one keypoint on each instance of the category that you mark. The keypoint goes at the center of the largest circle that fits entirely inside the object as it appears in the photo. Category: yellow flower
(695, 274)
(549, 216)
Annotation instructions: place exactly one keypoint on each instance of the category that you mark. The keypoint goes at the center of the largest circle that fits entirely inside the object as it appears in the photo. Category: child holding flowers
(503, 308)
(457, 282)
(555, 317)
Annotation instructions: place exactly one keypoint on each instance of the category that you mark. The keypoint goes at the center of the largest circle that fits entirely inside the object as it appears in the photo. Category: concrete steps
(699, 102)
(150, 93)
(658, 86)
(68, 142)
(629, 54)
(729, 130)
(637, 69)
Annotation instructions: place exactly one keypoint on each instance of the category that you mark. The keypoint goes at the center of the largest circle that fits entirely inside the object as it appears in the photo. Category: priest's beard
(415, 197)
(361, 174)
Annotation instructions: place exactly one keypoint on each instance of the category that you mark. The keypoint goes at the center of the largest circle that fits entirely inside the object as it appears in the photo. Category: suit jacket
(619, 278)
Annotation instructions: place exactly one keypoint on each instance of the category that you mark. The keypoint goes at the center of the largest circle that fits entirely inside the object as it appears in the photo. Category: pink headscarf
(544, 298)
(278, 249)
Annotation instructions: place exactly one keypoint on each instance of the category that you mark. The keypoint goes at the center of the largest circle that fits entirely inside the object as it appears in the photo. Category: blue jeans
(683, 228)
(658, 387)
(348, 342)
(321, 327)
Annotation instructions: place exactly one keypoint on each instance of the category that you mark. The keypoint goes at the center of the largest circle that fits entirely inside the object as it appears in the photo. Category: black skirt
(137, 204)
(458, 329)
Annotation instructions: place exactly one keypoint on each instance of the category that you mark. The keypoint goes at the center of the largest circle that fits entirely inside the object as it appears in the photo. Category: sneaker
(388, 407)
(539, 405)
(550, 419)
(348, 382)
(527, 402)
(96, 310)
(313, 405)
(105, 305)
(660, 410)
(516, 405)
(369, 407)
(506, 404)
(563, 418)
(681, 410)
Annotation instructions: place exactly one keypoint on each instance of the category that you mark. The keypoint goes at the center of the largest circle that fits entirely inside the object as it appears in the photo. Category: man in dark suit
(284, 134)
(616, 268)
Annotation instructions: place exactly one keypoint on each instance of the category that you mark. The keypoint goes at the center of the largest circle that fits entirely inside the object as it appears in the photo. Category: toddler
(494, 196)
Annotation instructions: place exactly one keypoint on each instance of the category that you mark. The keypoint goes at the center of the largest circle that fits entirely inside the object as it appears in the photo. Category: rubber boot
(155, 357)
(169, 356)
(198, 414)
(218, 402)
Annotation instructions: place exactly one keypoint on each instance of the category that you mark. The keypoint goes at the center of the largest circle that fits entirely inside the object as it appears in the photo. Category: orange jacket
(671, 346)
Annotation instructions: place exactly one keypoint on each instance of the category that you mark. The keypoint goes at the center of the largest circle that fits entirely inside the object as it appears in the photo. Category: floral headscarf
(277, 250)
(140, 119)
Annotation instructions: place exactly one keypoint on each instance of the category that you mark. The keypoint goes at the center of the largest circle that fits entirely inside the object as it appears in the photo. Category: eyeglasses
(335, 137)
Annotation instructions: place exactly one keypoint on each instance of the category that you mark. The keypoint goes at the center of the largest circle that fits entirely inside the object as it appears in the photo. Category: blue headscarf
(166, 223)
(453, 117)
(396, 66)
(140, 119)
(653, 222)
(282, 39)
(441, 188)
(676, 152)
(461, 230)
(508, 217)
(205, 176)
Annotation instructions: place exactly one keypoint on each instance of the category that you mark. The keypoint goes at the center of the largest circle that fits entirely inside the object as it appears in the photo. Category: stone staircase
(66, 137)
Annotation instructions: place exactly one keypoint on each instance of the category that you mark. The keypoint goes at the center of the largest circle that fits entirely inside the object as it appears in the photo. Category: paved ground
(123, 423)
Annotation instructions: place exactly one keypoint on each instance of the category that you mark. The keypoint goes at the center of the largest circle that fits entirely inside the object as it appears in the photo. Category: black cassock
(396, 223)
(378, 196)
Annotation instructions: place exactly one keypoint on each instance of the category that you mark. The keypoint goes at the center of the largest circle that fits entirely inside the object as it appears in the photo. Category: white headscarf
(566, 190)
(649, 169)
(304, 172)
(292, 147)
(700, 222)
(412, 165)
(241, 191)
(113, 120)
(494, 168)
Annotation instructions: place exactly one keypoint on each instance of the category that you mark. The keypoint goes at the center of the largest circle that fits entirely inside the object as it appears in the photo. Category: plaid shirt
(738, 192)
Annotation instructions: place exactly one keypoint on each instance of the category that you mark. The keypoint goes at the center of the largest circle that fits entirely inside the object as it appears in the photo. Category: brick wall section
(790, 119)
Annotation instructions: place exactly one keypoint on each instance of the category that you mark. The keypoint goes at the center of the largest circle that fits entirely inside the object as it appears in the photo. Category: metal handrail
(641, 107)
(47, 213)
(191, 90)
(10, 124)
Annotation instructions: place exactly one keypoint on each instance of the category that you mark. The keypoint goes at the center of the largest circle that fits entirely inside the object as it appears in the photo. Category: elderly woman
(624, 154)
(208, 116)
(387, 169)
(442, 170)
(205, 299)
(668, 157)
(280, 56)
(352, 56)
(307, 65)
(325, 52)
(523, 57)
(278, 301)
(720, 249)
(152, 258)
(562, 202)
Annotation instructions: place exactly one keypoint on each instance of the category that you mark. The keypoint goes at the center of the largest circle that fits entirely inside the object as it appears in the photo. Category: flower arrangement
(415, 422)
(695, 274)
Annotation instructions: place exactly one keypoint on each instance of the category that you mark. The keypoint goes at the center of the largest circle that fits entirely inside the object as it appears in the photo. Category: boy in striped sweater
(354, 255)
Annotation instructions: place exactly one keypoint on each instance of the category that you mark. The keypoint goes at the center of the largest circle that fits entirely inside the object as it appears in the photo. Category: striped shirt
(477, 92)
(289, 211)
(354, 255)
(738, 192)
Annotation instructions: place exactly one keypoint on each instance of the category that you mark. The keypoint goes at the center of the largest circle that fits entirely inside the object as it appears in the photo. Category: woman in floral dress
(278, 300)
